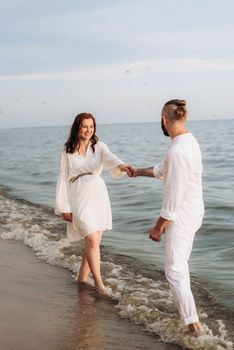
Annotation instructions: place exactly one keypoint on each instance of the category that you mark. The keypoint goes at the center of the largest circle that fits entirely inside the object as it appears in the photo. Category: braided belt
(73, 179)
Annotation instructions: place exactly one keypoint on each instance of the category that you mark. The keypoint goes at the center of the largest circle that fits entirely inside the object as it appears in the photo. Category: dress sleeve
(175, 183)
(111, 161)
(62, 204)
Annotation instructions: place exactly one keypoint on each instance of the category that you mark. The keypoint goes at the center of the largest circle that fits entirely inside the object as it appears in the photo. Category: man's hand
(132, 171)
(155, 234)
(159, 228)
(67, 216)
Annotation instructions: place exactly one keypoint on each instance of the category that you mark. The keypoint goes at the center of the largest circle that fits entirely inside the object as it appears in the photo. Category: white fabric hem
(96, 230)
(116, 173)
(59, 212)
(165, 214)
(191, 319)
(157, 171)
(82, 236)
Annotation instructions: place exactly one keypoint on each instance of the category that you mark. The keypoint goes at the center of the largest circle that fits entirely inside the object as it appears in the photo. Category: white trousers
(178, 246)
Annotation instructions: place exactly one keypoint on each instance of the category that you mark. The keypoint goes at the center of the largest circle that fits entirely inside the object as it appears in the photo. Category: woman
(81, 195)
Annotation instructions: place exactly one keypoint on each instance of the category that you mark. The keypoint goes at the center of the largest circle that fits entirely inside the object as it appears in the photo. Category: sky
(119, 60)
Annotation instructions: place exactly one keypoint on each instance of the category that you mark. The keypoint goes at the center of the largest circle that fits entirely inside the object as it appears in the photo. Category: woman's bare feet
(195, 329)
(100, 288)
(83, 282)
(104, 292)
(78, 279)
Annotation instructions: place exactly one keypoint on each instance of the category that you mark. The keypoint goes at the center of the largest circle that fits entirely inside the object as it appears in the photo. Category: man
(182, 208)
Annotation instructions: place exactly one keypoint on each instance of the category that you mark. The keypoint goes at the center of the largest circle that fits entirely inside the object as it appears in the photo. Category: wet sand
(42, 308)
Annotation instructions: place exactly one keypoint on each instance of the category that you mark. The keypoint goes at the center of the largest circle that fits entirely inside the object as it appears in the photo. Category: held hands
(129, 169)
(67, 216)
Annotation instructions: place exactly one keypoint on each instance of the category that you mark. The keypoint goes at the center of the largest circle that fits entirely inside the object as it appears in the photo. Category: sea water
(132, 264)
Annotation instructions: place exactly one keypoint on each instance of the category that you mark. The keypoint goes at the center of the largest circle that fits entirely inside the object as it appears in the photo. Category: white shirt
(181, 173)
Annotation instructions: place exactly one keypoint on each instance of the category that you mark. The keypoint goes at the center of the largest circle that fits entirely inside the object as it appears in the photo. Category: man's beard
(165, 132)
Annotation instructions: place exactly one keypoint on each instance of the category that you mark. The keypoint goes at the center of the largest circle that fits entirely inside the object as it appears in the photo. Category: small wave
(141, 293)
(46, 182)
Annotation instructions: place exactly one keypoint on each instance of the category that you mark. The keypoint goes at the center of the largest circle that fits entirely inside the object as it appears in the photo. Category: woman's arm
(62, 202)
(111, 162)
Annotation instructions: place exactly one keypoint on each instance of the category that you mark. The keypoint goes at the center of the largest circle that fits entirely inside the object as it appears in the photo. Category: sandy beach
(42, 308)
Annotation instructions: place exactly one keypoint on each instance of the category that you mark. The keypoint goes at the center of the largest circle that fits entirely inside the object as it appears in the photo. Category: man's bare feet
(195, 329)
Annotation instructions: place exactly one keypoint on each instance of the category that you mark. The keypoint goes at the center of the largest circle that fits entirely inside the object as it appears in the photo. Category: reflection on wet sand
(87, 329)
(97, 325)
(42, 308)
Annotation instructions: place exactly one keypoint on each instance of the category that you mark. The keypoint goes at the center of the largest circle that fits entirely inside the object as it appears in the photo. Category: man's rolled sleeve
(168, 215)
(158, 171)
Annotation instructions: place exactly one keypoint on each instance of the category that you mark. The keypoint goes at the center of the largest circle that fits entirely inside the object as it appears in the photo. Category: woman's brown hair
(73, 139)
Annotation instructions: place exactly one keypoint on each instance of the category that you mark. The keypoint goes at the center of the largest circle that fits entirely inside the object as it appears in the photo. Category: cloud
(62, 36)
(210, 42)
(137, 69)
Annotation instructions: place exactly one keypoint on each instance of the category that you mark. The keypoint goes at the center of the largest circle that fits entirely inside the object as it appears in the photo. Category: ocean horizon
(211, 119)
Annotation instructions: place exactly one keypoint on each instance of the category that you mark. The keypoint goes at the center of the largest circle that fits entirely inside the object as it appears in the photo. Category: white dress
(87, 197)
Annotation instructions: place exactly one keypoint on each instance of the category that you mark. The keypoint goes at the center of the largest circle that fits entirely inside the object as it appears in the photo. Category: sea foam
(140, 299)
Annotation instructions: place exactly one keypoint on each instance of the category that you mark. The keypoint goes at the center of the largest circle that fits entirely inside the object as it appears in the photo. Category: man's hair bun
(178, 109)
(181, 103)
(176, 102)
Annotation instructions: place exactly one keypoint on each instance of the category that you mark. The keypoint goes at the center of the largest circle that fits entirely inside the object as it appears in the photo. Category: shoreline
(42, 308)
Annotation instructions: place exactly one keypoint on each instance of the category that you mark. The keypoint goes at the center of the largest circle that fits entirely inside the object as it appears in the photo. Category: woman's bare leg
(83, 273)
(92, 254)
